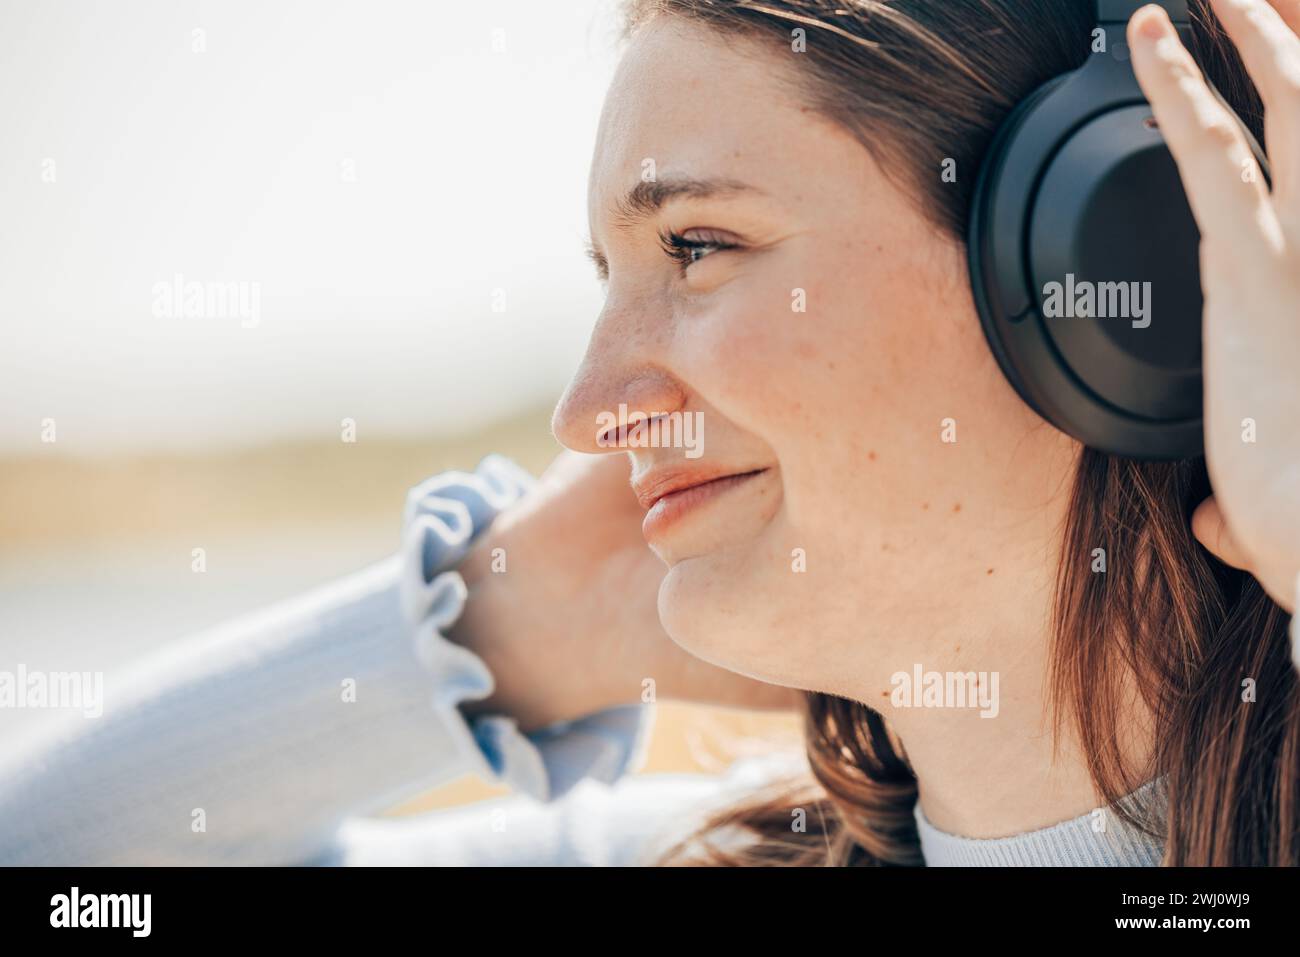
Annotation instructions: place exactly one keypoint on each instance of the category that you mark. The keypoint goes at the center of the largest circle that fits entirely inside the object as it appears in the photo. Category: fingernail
(1154, 24)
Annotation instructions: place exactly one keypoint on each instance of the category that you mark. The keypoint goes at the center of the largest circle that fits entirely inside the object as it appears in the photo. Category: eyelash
(680, 249)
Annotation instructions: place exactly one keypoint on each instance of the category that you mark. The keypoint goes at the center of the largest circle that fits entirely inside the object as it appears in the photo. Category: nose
(619, 374)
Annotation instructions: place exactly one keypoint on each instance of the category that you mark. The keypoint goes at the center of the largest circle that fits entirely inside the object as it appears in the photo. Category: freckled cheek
(808, 362)
(838, 358)
(753, 358)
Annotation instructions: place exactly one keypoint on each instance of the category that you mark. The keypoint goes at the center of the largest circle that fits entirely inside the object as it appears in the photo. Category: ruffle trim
(443, 517)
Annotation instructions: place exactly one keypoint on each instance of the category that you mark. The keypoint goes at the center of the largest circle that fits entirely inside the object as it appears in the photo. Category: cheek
(784, 350)
(734, 348)
(844, 358)
(864, 374)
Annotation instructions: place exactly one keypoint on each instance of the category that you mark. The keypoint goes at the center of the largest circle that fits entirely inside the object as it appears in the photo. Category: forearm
(245, 745)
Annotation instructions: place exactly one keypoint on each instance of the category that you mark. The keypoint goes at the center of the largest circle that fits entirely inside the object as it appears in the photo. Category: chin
(721, 609)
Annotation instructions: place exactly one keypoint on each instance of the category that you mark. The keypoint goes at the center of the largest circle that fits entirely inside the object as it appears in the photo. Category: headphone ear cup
(1085, 267)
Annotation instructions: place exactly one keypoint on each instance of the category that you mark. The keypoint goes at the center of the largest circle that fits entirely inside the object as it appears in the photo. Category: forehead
(688, 100)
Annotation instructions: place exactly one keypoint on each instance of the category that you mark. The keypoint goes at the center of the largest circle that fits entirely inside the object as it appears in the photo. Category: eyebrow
(647, 197)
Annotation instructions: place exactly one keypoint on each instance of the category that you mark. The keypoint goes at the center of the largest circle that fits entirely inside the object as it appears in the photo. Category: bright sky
(375, 172)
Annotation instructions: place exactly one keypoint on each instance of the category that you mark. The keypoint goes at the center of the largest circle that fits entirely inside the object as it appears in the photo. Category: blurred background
(265, 266)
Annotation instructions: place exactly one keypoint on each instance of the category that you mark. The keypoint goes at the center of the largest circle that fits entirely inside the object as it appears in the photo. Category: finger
(1271, 51)
(1211, 530)
(1268, 45)
(1214, 160)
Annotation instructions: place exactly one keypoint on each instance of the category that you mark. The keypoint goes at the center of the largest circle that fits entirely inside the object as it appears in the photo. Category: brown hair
(920, 81)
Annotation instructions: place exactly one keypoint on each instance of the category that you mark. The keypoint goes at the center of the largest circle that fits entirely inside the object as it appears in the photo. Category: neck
(1005, 773)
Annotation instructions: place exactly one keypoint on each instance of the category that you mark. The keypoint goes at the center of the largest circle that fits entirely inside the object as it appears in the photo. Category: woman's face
(897, 499)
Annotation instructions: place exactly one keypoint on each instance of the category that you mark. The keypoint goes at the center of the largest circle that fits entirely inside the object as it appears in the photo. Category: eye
(692, 245)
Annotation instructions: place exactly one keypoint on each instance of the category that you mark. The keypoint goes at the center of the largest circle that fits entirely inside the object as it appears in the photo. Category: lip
(670, 496)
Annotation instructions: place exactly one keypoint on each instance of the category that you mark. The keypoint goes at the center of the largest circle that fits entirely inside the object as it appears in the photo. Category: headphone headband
(1121, 11)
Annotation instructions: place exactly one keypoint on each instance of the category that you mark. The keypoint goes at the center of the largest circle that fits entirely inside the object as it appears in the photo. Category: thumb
(1211, 530)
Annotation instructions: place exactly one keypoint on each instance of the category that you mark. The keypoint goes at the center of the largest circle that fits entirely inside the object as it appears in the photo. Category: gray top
(1099, 838)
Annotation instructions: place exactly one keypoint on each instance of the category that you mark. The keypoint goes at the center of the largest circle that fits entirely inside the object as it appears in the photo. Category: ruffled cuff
(444, 515)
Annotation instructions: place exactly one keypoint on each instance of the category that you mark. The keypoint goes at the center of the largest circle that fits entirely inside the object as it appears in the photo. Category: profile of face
(890, 500)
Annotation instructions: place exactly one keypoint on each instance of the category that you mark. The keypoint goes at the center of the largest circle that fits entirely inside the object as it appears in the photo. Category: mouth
(669, 499)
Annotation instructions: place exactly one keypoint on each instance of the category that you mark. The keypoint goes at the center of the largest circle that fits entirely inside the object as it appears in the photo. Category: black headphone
(1084, 257)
